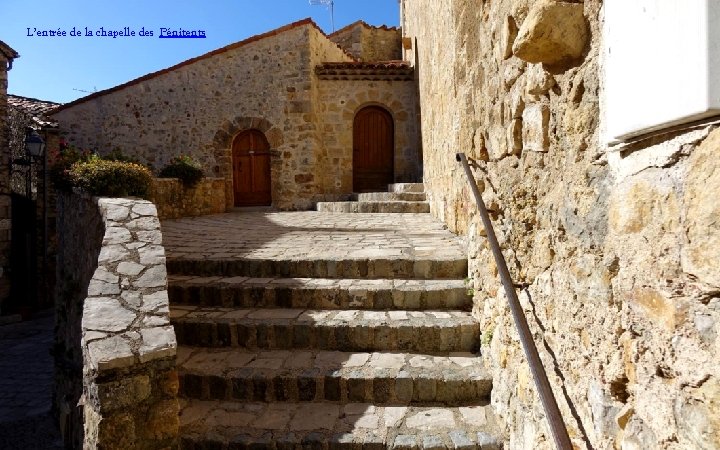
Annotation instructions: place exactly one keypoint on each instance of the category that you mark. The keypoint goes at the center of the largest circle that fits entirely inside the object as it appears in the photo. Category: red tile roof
(381, 70)
(259, 37)
(34, 107)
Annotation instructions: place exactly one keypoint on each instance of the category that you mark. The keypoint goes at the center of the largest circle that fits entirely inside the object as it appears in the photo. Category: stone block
(553, 32)
(535, 133)
(157, 343)
(659, 307)
(117, 431)
(123, 393)
(106, 313)
(508, 33)
(700, 254)
(404, 442)
(153, 277)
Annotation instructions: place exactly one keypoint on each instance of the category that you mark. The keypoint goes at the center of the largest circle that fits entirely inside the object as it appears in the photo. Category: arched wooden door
(251, 169)
(373, 149)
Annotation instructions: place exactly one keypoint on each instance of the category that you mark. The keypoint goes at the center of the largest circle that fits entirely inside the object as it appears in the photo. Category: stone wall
(381, 44)
(263, 83)
(116, 383)
(368, 43)
(614, 250)
(340, 100)
(173, 200)
(5, 224)
(350, 39)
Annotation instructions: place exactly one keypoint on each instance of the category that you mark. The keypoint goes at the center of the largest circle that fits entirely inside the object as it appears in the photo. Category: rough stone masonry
(616, 251)
(116, 384)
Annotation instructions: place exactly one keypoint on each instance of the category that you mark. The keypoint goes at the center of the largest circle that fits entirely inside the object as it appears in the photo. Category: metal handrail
(550, 406)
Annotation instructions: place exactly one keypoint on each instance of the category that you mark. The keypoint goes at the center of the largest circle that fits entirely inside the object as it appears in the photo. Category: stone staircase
(400, 198)
(332, 347)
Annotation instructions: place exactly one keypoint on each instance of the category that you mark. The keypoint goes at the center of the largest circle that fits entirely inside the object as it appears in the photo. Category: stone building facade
(7, 55)
(615, 249)
(272, 84)
(368, 43)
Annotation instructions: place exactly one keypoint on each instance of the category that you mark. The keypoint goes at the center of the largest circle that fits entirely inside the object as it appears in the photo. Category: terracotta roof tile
(38, 109)
(381, 70)
(398, 64)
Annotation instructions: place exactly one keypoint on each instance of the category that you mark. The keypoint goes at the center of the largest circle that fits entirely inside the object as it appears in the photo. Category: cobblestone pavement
(309, 235)
(26, 376)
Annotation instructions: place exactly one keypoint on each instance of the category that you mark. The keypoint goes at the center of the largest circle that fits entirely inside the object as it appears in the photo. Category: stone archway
(222, 148)
(373, 149)
(252, 180)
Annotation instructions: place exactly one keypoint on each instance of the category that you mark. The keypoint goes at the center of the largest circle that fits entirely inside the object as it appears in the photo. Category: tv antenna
(87, 92)
(331, 6)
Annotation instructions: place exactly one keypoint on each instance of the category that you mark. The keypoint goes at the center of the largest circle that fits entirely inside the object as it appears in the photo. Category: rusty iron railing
(550, 406)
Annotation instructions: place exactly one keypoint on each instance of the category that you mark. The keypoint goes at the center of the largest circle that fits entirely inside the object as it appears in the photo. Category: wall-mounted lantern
(34, 144)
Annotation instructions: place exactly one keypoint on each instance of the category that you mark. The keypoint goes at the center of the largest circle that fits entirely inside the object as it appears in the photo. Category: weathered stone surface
(699, 415)
(117, 332)
(508, 33)
(157, 343)
(535, 133)
(553, 32)
(174, 200)
(122, 393)
(106, 314)
(602, 238)
(153, 277)
(700, 256)
(117, 214)
(110, 353)
(117, 235)
(152, 254)
(537, 80)
(129, 268)
(440, 418)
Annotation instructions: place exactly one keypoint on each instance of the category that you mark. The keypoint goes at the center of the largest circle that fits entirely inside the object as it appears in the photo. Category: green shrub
(117, 155)
(111, 178)
(59, 171)
(186, 168)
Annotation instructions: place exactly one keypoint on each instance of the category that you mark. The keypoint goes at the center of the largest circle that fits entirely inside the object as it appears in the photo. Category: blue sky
(59, 68)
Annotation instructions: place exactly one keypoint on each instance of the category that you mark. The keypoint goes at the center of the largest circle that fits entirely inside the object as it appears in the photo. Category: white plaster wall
(662, 63)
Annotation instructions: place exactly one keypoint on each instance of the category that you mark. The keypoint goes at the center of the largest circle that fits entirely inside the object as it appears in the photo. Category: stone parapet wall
(614, 249)
(381, 44)
(368, 43)
(350, 39)
(116, 384)
(173, 200)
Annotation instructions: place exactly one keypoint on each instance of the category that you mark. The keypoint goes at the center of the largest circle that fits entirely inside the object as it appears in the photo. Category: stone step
(389, 197)
(319, 293)
(231, 425)
(362, 263)
(406, 187)
(348, 330)
(374, 207)
(333, 376)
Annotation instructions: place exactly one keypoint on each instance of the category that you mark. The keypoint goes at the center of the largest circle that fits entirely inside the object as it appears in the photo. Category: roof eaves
(8, 51)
